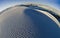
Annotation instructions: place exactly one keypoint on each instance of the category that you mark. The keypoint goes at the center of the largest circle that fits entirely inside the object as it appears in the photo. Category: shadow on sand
(45, 27)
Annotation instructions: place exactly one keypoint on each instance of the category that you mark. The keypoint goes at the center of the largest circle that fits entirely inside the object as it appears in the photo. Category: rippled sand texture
(23, 22)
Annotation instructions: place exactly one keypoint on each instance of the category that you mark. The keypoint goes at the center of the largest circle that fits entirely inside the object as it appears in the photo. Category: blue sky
(8, 3)
(52, 31)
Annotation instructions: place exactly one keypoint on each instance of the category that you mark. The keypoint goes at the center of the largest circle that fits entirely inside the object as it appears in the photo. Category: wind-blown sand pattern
(29, 21)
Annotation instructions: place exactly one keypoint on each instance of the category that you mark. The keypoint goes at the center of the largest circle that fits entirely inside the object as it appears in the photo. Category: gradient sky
(8, 3)
(46, 31)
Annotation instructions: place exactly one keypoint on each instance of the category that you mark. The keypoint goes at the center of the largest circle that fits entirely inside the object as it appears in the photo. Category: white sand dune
(28, 22)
